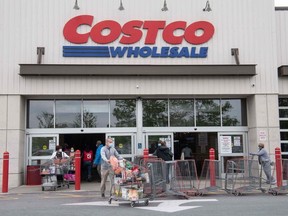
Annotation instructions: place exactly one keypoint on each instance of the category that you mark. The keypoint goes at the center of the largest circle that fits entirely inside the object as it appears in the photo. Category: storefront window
(283, 102)
(123, 144)
(283, 124)
(283, 113)
(123, 113)
(68, 114)
(43, 146)
(207, 112)
(284, 135)
(181, 113)
(283, 120)
(95, 113)
(231, 144)
(284, 147)
(155, 113)
(40, 114)
(233, 112)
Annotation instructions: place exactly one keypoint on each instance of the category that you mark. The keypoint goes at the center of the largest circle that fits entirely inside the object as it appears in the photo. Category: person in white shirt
(59, 154)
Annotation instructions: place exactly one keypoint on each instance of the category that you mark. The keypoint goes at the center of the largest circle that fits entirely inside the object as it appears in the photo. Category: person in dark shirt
(165, 154)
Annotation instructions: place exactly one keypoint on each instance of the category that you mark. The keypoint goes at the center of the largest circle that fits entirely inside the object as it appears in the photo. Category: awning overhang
(283, 70)
(135, 70)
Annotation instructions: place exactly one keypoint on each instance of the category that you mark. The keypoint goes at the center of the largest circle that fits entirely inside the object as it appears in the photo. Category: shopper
(265, 162)
(187, 152)
(165, 154)
(59, 154)
(106, 169)
(87, 163)
(97, 161)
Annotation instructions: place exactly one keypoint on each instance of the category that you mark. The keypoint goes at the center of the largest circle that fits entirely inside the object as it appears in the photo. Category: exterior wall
(33, 24)
(282, 47)
(12, 132)
(263, 121)
(282, 34)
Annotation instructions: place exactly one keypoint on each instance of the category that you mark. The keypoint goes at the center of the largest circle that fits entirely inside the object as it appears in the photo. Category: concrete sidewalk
(85, 186)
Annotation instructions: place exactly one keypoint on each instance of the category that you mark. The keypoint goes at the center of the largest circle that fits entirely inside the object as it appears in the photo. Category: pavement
(89, 187)
(84, 187)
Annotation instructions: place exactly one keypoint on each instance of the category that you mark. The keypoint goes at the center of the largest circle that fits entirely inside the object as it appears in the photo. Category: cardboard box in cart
(129, 193)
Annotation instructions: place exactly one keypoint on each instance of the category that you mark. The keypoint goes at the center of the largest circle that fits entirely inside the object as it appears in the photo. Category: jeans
(88, 168)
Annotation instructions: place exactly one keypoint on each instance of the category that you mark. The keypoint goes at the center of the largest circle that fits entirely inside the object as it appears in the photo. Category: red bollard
(278, 166)
(212, 167)
(77, 169)
(145, 155)
(5, 172)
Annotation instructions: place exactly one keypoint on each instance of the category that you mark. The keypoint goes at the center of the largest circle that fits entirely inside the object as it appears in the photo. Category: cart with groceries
(129, 180)
(53, 172)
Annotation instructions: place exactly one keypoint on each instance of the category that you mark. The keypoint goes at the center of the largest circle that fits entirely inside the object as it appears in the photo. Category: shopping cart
(183, 178)
(211, 177)
(129, 183)
(52, 172)
(282, 186)
(243, 175)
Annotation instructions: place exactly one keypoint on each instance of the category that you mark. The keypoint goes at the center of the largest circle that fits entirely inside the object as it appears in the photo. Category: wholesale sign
(131, 33)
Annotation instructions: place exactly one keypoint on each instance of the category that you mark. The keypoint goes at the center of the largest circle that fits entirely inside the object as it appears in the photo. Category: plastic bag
(115, 165)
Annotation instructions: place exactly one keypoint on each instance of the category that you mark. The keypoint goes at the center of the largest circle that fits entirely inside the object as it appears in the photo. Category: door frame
(29, 137)
(239, 154)
(133, 143)
(170, 144)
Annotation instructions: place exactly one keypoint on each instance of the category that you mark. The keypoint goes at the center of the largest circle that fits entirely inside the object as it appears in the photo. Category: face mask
(60, 150)
(159, 144)
(111, 145)
(72, 149)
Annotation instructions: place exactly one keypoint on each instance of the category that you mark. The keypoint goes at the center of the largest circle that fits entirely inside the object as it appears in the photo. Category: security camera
(195, 129)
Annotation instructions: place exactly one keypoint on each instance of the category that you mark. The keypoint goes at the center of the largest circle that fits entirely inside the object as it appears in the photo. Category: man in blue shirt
(97, 160)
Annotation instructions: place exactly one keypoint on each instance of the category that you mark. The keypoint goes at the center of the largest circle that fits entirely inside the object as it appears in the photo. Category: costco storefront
(208, 79)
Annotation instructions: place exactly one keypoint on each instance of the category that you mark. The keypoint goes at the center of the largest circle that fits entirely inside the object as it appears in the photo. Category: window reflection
(283, 124)
(123, 144)
(155, 113)
(283, 113)
(181, 113)
(284, 135)
(123, 113)
(95, 114)
(207, 112)
(40, 114)
(43, 146)
(231, 112)
(283, 102)
(68, 114)
(284, 147)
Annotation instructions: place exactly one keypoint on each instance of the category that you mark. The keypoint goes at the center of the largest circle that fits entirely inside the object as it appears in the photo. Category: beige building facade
(212, 79)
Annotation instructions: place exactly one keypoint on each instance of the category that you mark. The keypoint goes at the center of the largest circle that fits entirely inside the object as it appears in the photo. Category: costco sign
(106, 32)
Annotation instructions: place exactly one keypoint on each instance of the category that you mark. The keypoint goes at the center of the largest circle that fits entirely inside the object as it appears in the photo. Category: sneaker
(273, 182)
(103, 195)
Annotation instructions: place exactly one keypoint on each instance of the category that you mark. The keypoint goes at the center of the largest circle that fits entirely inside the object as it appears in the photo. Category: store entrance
(80, 142)
(199, 142)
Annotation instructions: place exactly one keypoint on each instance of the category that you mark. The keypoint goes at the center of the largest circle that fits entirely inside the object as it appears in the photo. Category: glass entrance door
(40, 147)
(231, 146)
(151, 141)
(124, 144)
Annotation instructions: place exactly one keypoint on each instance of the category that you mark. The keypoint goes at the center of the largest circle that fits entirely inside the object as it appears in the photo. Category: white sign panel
(237, 141)
(225, 144)
(262, 136)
